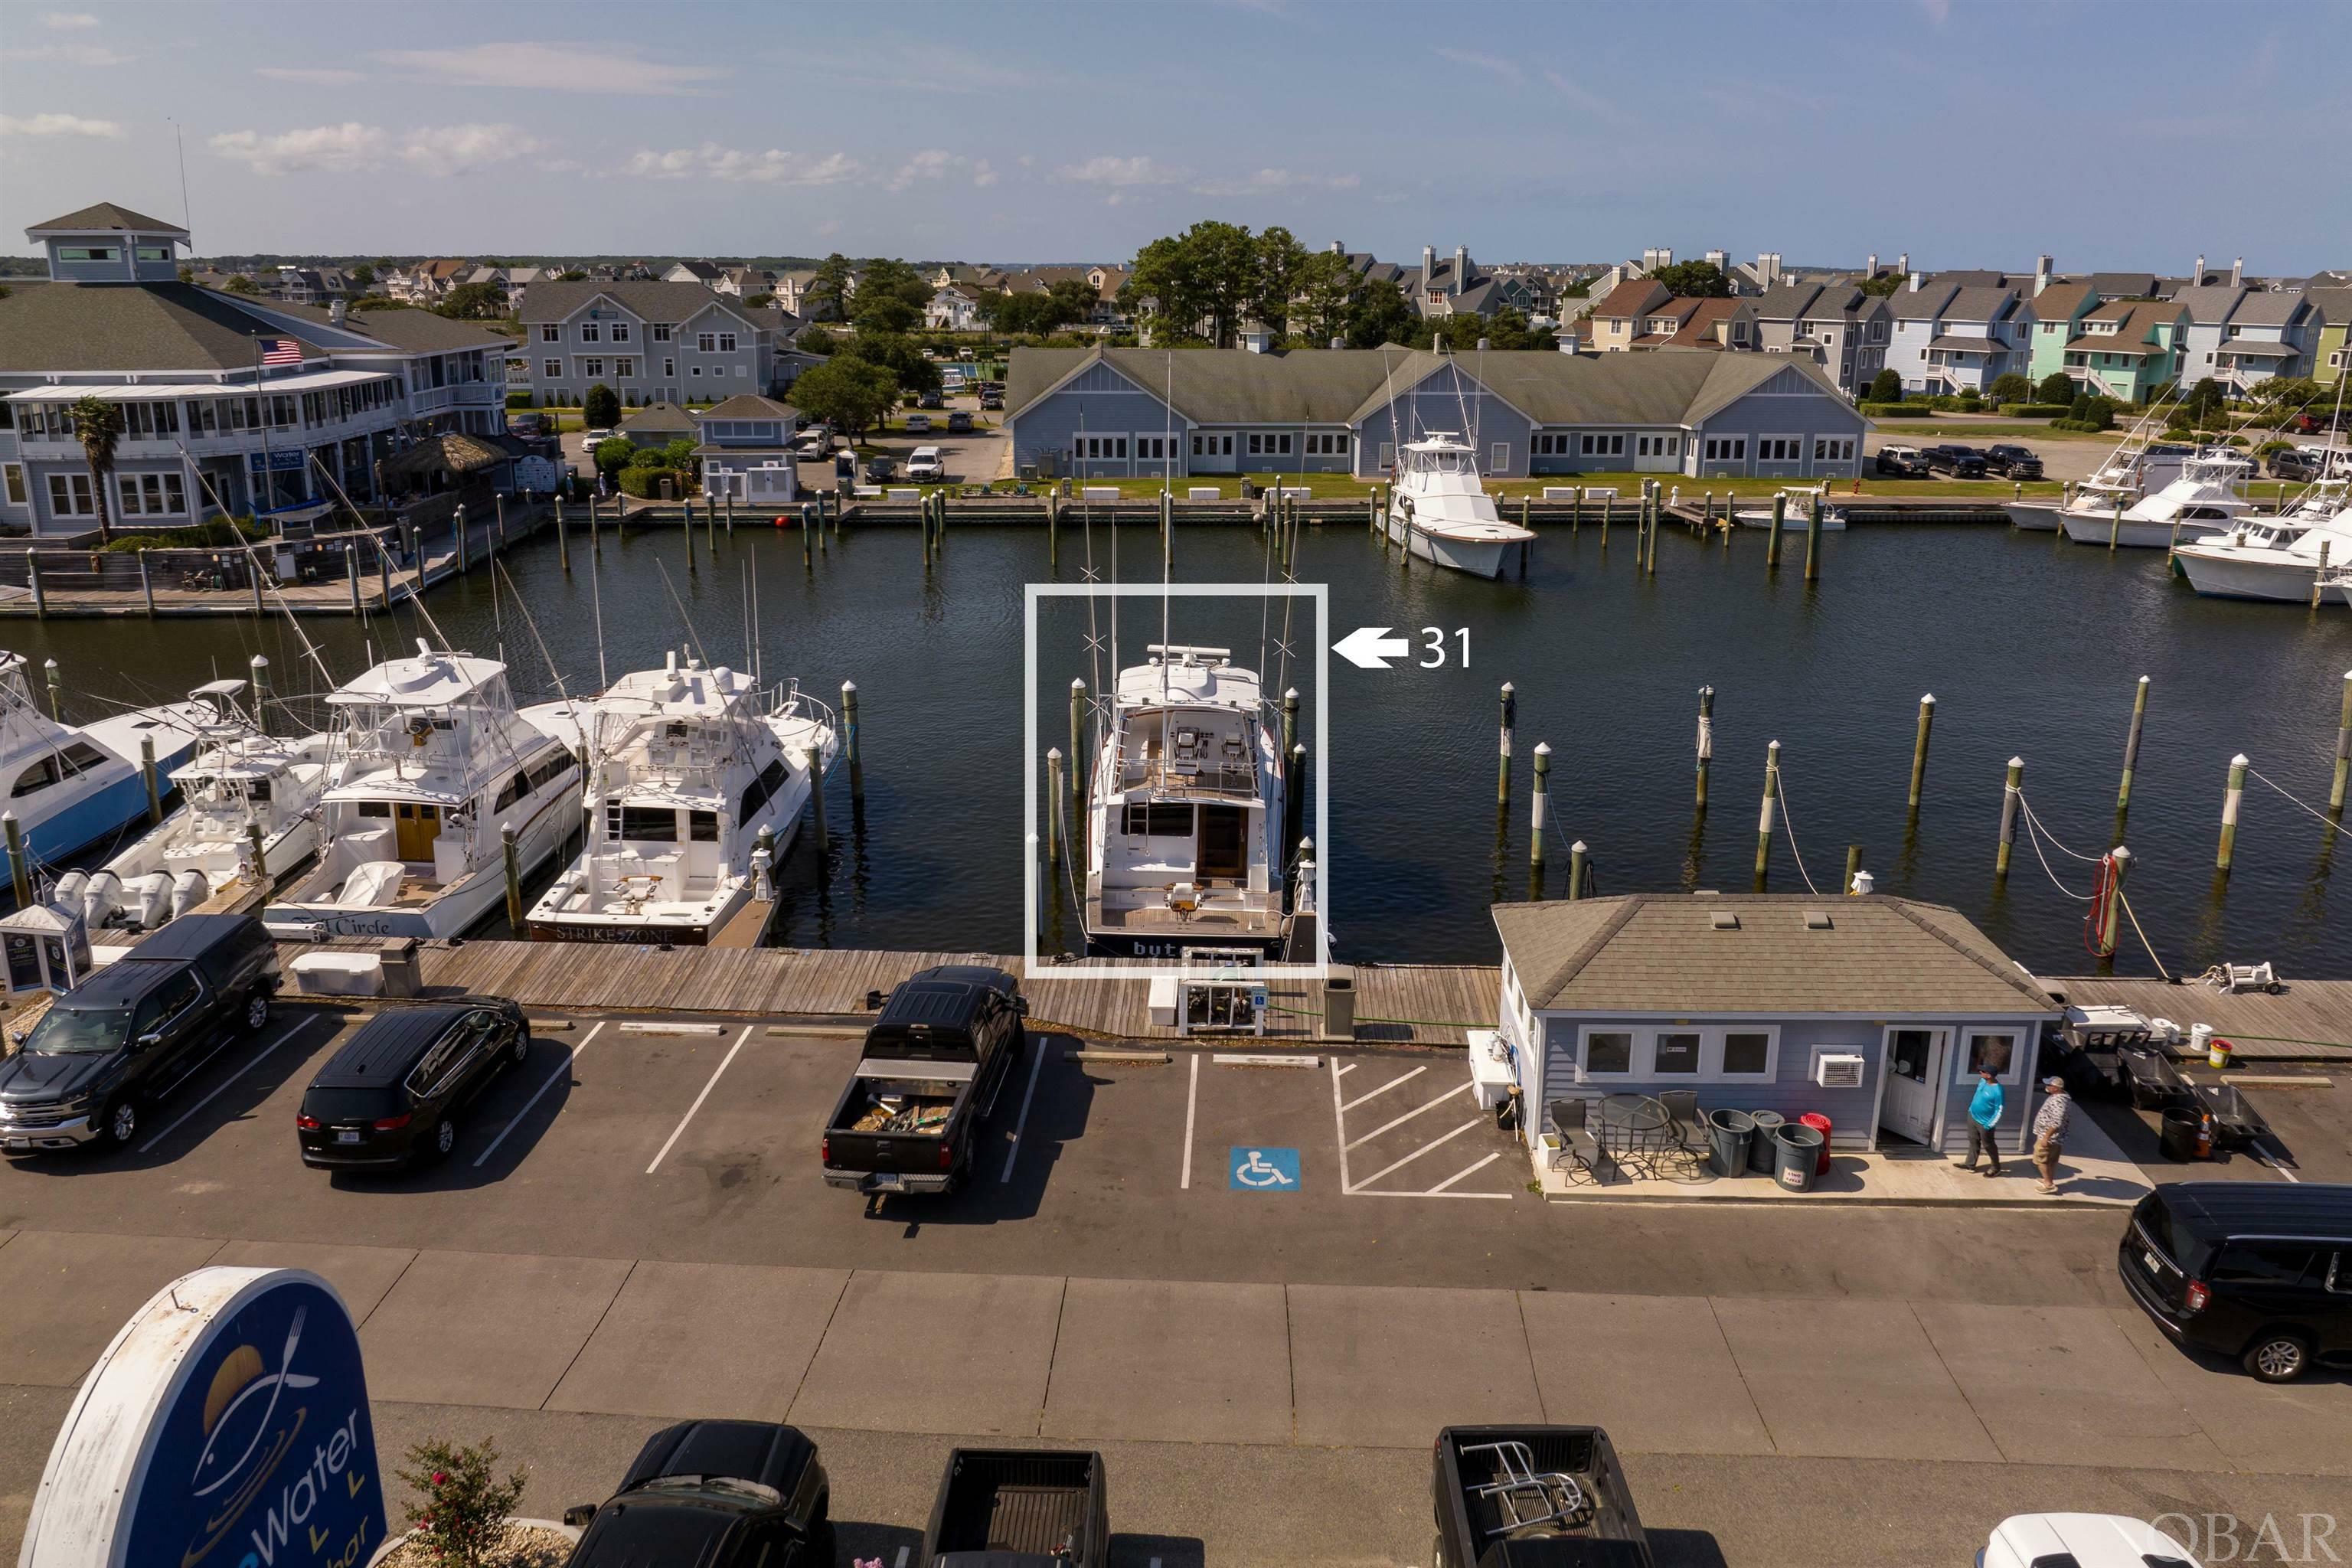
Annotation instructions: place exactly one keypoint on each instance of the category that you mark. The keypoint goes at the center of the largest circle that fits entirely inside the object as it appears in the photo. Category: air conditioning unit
(1837, 1069)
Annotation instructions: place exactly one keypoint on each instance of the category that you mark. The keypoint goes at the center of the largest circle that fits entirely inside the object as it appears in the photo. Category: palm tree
(97, 426)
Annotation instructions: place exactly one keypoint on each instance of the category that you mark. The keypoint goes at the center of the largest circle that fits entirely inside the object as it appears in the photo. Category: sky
(2111, 134)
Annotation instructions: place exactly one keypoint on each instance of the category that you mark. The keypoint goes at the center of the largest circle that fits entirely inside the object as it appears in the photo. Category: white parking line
(1388, 1126)
(726, 1061)
(1383, 1088)
(1425, 1148)
(570, 1056)
(1351, 1187)
(284, 1035)
(2264, 1157)
(1191, 1101)
(1466, 1170)
(1340, 1120)
(1037, 1060)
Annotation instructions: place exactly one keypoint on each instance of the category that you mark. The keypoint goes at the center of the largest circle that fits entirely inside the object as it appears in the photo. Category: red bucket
(1821, 1124)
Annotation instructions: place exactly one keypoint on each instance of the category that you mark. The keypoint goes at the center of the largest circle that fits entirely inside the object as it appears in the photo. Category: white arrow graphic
(1371, 647)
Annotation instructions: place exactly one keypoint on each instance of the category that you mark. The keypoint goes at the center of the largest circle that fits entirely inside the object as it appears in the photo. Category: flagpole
(261, 401)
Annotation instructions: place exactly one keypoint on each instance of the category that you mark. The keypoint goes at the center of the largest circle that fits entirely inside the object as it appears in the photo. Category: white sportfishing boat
(1794, 515)
(1185, 812)
(686, 767)
(239, 780)
(2202, 501)
(1440, 511)
(68, 785)
(2276, 557)
(428, 763)
(2133, 471)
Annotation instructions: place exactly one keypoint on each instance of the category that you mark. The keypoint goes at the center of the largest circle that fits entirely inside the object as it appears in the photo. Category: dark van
(109, 1048)
(391, 1096)
(2257, 1272)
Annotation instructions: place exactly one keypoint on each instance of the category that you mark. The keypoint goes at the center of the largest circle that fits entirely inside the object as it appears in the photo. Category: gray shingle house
(745, 450)
(1875, 1012)
(1103, 413)
(650, 343)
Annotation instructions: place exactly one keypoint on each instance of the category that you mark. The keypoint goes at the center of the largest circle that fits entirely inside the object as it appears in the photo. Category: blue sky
(2120, 134)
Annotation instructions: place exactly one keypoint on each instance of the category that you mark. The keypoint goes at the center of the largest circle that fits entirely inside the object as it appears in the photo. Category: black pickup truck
(1019, 1507)
(2012, 462)
(715, 1494)
(1960, 462)
(932, 1068)
(1533, 1497)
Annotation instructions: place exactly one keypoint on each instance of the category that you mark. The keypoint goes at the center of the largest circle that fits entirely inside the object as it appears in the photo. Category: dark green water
(2031, 646)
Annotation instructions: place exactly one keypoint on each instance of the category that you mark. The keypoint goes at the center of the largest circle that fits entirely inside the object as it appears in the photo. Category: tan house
(1621, 314)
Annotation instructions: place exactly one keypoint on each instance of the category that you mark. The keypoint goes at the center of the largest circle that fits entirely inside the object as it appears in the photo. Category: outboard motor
(71, 889)
(101, 899)
(144, 899)
(189, 888)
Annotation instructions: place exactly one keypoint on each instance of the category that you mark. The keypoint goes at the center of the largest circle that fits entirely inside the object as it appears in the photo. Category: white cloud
(565, 68)
(334, 149)
(320, 75)
(1506, 69)
(1592, 102)
(71, 54)
(938, 163)
(983, 174)
(57, 125)
(70, 21)
(1121, 173)
(1268, 182)
(456, 149)
(711, 162)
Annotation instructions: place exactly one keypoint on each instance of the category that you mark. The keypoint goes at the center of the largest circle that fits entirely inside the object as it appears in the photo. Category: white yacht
(2131, 471)
(427, 764)
(1793, 516)
(1440, 511)
(70, 786)
(1185, 812)
(685, 765)
(239, 778)
(2200, 502)
(2274, 557)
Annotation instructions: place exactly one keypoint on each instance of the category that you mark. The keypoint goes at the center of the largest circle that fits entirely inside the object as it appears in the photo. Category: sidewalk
(2093, 1173)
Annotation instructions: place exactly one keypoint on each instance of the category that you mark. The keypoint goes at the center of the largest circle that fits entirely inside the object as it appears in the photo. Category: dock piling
(2318, 578)
(152, 779)
(1577, 857)
(18, 872)
(512, 854)
(1705, 740)
(2012, 793)
(1077, 741)
(259, 856)
(1813, 540)
(2230, 803)
(1919, 750)
(763, 863)
(1503, 771)
(351, 575)
(815, 759)
(1535, 805)
(1853, 867)
(464, 549)
(691, 565)
(1293, 797)
(383, 571)
(146, 586)
(1054, 805)
(1764, 818)
(2111, 917)
(2343, 751)
(1289, 720)
(2131, 745)
(2115, 524)
(253, 570)
(498, 524)
(1772, 542)
(33, 582)
(57, 684)
(849, 740)
(562, 539)
(259, 665)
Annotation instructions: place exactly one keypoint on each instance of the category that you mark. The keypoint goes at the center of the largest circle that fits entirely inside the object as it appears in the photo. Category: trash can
(1821, 1124)
(1339, 1007)
(2185, 1137)
(1730, 1130)
(397, 958)
(1760, 1151)
(1799, 1148)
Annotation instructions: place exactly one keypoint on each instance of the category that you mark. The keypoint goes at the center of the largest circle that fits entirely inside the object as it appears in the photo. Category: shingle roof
(1786, 302)
(1654, 953)
(130, 326)
(418, 332)
(106, 215)
(2246, 348)
(1836, 301)
(657, 418)
(1973, 277)
(2121, 285)
(1923, 303)
(2062, 300)
(2210, 305)
(649, 301)
(748, 405)
(1634, 296)
(1967, 345)
(1981, 304)
(2267, 308)
(2333, 306)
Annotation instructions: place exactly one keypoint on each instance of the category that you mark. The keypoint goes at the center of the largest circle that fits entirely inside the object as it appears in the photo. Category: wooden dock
(2307, 1021)
(1405, 1005)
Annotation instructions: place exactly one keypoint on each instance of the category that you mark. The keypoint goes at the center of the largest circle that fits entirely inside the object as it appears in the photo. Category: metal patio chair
(1578, 1149)
(1687, 1144)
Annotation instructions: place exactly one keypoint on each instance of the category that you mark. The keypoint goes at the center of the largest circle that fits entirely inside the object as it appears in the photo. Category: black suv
(1960, 462)
(2259, 1272)
(715, 1494)
(390, 1095)
(109, 1048)
(2012, 462)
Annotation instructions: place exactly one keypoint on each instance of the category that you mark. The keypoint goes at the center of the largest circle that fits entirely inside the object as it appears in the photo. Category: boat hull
(2223, 577)
(1478, 557)
(2032, 519)
(1112, 945)
(2087, 529)
(465, 904)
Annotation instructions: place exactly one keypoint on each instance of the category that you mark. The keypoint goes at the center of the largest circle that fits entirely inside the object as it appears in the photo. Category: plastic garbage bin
(1821, 1124)
(1799, 1147)
(2185, 1136)
(1339, 1007)
(1761, 1154)
(1730, 1130)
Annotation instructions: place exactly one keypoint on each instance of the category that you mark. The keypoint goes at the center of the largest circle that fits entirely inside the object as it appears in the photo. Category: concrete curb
(2059, 1202)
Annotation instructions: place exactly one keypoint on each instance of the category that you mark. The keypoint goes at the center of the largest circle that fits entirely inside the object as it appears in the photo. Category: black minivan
(390, 1095)
(2252, 1270)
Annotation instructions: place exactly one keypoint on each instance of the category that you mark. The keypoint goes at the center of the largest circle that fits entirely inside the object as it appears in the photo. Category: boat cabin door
(1915, 1082)
(415, 828)
(1223, 849)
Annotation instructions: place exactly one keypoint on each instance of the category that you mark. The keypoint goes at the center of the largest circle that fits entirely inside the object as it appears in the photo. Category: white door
(1915, 1082)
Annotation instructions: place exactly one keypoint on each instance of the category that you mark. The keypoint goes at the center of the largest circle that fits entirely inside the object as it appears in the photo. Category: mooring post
(57, 683)
(1657, 515)
(261, 855)
(2318, 578)
(691, 565)
(808, 557)
(2111, 918)
(146, 586)
(849, 748)
(1510, 718)
(815, 759)
(1814, 540)
(1535, 805)
(33, 581)
(1706, 741)
(1780, 521)
(2229, 802)
(1294, 796)
(2012, 794)
(1054, 805)
(1290, 718)
(764, 864)
(253, 570)
(2343, 751)
(464, 548)
(562, 540)
(1764, 818)
(498, 540)
(1577, 857)
(1608, 513)
(513, 853)
(151, 778)
(382, 570)
(1053, 532)
(18, 872)
(1853, 867)
(1077, 741)
(2115, 524)
(1919, 750)
(2131, 743)
(259, 666)
(1575, 513)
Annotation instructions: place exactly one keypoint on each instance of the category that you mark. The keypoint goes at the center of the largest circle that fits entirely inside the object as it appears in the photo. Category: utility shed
(1874, 1011)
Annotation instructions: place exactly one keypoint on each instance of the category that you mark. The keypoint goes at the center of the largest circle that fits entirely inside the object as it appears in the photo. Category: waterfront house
(707, 273)
(742, 282)
(2209, 307)
(1620, 314)
(1875, 1012)
(1117, 412)
(2331, 343)
(2126, 348)
(2059, 307)
(428, 282)
(1835, 325)
(650, 343)
(1699, 323)
(2267, 335)
(658, 425)
(746, 450)
(953, 308)
(1953, 337)
(1913, 311)
(203, 416)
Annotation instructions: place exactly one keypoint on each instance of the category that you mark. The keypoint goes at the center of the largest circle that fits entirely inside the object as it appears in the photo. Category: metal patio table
(1633, 1127)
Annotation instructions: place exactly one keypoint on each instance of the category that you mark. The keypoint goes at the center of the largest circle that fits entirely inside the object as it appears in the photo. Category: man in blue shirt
(1984, 1121)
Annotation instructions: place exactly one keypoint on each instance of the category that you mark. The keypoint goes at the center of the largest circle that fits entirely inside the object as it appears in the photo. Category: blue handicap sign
(1265, 1170)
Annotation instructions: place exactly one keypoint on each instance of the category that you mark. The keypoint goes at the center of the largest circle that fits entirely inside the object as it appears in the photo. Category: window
(1501, 458)
(727, 342)
(33, 779)
(1675, 1053)
(87, 253)
(551, 368)
(592, 367)
(551, 334)
(702, 826)
(1159, 819)
(155, 253)
(669, 368)
(624, 369)
(1747, 1053)
(644, 824)
(1608, 1053)
(150, 494)
(81, 756)
(2268, 1263)
(1196, 445)
(696, 372)
(15, 473)
(706, 342)
(1997, 1051)
(69, 495)
(1777, 448)
(1726, 448)
(620, 332)
(660, 331)
(590, 332)
(1602, 445)
(1833, 448)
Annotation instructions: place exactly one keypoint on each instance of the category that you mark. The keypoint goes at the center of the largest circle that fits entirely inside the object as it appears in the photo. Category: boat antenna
(309, 649)
(1168, 545)
(416, 596)
(561, 690)
(751, 564)
(693, 636)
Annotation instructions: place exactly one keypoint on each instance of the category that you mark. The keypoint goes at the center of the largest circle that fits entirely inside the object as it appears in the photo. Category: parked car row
(1961, 462)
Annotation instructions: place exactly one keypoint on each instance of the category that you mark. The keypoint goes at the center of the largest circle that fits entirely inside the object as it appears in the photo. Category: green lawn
(1991, 430)
(1628, 486)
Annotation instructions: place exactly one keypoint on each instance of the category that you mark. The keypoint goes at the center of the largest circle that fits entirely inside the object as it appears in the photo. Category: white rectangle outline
(1033, 759)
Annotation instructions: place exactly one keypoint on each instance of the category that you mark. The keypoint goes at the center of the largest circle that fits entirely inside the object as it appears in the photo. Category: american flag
(281, 350)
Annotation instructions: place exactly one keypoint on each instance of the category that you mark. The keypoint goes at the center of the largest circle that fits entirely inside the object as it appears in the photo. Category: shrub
(2012, 388)
(1896, 410)
(2034, 410)
(2267, 447)
(461, 1517)
(645, 483)
(1886, 386)
(612, 456)
(2056, 387)
(602, 407)
(215, 532)
(518, 400)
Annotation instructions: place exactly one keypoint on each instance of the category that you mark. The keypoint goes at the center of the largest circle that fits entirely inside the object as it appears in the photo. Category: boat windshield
(1443, 462)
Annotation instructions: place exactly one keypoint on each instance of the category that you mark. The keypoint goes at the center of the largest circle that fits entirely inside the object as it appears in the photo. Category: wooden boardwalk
(2308, 1020)
(1425, 1005)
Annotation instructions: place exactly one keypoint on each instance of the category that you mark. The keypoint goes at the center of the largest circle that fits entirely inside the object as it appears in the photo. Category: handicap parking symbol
(1265, 1170)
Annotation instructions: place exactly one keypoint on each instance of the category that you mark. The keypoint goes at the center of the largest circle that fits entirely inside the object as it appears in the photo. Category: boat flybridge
(68, 785)
(1440, 511)
(2201, 500)
(428, 763)
(686, 766)
(2278, 557)
(1802, 504)
(2138, 466)
(1185, 812)
(240, 779)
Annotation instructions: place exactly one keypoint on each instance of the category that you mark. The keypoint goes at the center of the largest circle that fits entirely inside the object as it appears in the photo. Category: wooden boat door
(415, 828)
